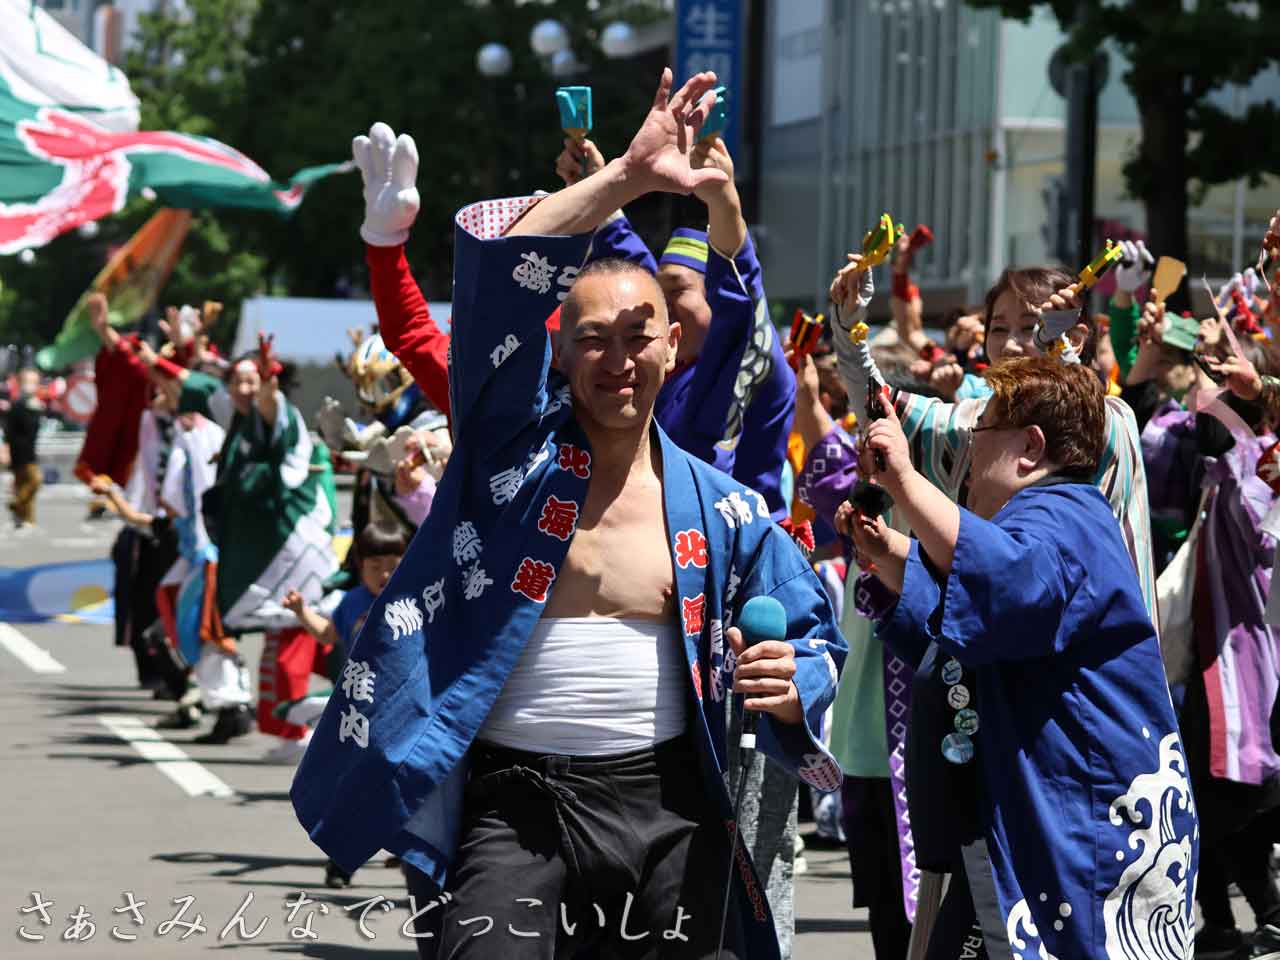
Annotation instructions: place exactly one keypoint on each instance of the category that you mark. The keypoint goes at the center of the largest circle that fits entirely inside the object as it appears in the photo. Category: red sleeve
(406, 325)
(167, 368)
(111, 439)
(124, 361)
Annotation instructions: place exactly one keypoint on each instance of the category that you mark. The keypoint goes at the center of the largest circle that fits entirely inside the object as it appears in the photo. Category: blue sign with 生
(709, 37)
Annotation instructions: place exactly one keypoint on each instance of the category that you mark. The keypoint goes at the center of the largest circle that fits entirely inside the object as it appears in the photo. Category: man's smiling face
(616, 347)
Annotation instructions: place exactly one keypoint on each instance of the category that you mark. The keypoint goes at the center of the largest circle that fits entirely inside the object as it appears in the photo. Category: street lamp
(564, 63)
(493, 60)
(618, 40)
(548, 38)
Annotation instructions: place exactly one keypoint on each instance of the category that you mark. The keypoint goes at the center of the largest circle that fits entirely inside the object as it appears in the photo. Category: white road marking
(169, 759)
(36, 658)
(75, 543)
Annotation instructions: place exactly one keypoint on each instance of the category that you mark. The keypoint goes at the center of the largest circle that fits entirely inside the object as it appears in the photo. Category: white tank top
(593, 686)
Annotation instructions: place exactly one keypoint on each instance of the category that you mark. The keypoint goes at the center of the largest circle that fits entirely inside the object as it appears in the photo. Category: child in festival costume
(378, 552)
(1087, 836)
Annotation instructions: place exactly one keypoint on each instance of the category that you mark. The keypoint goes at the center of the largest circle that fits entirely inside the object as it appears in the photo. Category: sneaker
(334, 877)
(304, 711)
(1216, 942)
(232, 722)
(190, 696)
(184, 718)
(288, 752)
(1266, 943)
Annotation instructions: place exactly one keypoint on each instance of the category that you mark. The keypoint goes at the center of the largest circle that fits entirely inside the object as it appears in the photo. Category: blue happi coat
(387, 763)
(734, 405)
(1086, 804)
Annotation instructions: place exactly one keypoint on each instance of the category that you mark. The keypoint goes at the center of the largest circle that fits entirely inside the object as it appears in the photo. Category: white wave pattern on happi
(1023, 933)
(1149, 915)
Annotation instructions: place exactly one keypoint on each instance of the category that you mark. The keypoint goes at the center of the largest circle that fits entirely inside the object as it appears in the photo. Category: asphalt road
(98, 810)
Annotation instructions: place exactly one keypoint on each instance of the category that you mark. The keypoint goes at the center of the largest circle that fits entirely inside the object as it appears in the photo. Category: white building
(105, 27)
(942, 114)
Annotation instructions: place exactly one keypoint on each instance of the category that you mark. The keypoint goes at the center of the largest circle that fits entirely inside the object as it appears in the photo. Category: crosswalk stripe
(169, 759)
(36, 658)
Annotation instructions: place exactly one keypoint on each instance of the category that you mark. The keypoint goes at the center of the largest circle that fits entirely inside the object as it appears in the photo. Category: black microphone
(763, 618)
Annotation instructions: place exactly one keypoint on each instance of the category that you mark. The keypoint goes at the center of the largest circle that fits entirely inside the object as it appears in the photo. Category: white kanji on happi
(433, 599)
(565, 281)
(716, 669)
(403, 617)
(731, 590)
(466, 543)
(538, 459)
(357, 680)
(504, 350)
(353, 725)
(734, 511)
(534, 272)
(474, 581)
(559, 399)
(505, 484)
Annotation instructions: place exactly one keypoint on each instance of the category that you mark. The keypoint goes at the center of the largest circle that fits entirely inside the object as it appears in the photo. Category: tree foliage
(1178, 54)
(289, 83)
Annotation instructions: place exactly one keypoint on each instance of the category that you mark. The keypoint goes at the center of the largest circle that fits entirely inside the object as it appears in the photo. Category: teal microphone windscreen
(763, 618)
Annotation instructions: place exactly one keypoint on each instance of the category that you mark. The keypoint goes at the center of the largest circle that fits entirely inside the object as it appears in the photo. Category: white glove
(1050, 334)
(856, 366)
(357, 436)
(389, 166)
(1224, 292)
(1249, 285)
(328, 421)
(1136, 264)
(386, 452)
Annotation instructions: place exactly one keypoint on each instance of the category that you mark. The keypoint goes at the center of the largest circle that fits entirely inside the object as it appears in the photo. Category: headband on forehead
(686, 248)
(245, 366)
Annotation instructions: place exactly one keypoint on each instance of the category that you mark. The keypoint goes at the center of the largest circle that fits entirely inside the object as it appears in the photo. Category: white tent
(312, 330)
(42, 63)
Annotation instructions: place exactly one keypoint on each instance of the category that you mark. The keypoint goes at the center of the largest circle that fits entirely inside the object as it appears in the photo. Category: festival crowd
(631, 569)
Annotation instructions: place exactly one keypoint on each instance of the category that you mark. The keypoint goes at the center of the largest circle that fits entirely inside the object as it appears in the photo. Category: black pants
(871, 832)
(141, 562)
(600, 857)
(1241, 856)
(957, 935)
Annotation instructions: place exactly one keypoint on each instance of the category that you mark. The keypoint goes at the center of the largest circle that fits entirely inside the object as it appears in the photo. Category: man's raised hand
(712, 154)
(570, 163)
(852, 288)
(389, 167)
(658, 157)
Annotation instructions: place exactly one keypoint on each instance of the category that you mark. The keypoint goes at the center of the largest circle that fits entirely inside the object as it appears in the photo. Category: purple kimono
(1235, 648)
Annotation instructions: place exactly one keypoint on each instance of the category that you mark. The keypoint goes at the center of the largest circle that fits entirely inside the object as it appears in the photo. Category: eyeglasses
(995, 426)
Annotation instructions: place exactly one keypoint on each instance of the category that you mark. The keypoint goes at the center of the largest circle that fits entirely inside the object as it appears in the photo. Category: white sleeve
(171, 489)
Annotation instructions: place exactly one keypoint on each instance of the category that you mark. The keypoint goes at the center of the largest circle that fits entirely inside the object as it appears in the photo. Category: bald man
(533, 715)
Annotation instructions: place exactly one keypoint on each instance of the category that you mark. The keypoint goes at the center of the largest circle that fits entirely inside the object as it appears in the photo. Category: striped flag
(63, 166)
